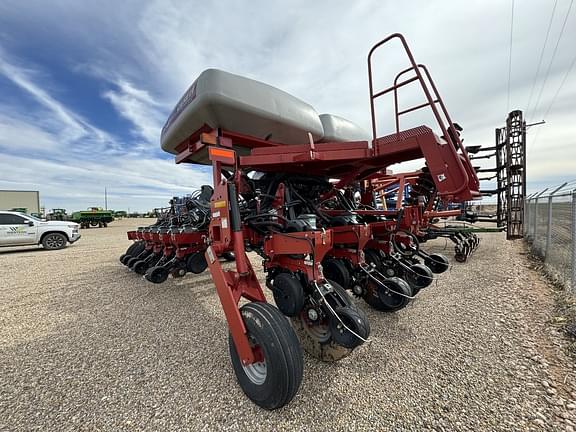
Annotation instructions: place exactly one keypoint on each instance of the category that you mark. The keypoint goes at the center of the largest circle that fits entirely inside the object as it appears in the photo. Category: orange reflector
(209, 139)
(215, 151)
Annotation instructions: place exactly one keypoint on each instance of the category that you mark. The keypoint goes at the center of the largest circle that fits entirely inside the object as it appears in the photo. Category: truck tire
(54, 241)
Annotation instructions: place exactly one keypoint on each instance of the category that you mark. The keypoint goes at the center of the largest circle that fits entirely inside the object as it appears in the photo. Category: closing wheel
(418, 276)
(196, 263)
(157, 274)
(335, 270)
(122, 257)
(438, 263)
(273, 380)
(390, 297)
(140, 267)
(94, 223)
(316, 336)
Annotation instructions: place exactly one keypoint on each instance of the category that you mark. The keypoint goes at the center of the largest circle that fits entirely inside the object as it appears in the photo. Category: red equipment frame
(452, 172)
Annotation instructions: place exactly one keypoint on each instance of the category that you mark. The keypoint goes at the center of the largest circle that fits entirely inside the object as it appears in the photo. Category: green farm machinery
(93, 217)
(58, 214)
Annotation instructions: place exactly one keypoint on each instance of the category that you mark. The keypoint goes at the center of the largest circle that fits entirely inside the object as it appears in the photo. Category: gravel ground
(87, 345)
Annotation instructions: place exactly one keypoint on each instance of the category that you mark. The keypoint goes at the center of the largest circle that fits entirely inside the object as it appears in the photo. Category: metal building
(18, 199)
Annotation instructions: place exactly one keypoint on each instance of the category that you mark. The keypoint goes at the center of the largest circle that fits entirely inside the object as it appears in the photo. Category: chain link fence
(550, 229)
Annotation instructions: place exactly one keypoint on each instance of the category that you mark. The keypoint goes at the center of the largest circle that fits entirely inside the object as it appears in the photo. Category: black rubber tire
(178, 270)
(288, 294)
(196, 263)
(391, 269)
(140, 267)
(418, 276)
(335, 270)
(136, 248)
(130, 249)
(133, 250)
(54, 241)
(438, 263)
(268, 328)
(395, 302)
(229, 256)
(356, 320)
(94, 223)
(157, 274)
(130, 263)
(371, 256)
(347, 300)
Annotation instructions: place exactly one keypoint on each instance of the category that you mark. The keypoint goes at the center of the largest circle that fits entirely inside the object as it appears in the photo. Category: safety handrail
(432, 104)
(431, 101)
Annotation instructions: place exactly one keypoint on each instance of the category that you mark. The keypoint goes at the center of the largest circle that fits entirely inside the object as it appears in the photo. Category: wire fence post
(535, 217)
(528, 216)
(573, 281)
(548, 227)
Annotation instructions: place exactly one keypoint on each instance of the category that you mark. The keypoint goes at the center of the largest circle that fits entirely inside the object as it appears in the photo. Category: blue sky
(86, 86)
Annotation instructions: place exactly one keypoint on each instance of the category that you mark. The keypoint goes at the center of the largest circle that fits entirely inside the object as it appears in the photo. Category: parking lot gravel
(87, 345)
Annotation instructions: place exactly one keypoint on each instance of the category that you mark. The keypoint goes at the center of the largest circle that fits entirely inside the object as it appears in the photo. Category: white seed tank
(224, 100)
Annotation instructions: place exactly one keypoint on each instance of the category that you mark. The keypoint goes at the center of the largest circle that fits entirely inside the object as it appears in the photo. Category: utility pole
(105, 199)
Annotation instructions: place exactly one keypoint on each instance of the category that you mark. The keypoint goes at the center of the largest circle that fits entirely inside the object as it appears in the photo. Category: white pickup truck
(19, 229)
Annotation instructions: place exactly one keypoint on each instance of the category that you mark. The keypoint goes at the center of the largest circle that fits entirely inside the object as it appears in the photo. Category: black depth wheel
(372, 256)
(317, 337)
(345, 298)
(438, 263)
(288, 294)
(136, 248)
(418, 276)
(387, 300)
(178, 269)
(140, 267)
(196, 263)
(353, 319)
(131, 261)
(272, 381)
(335, 270)
(156, 274)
